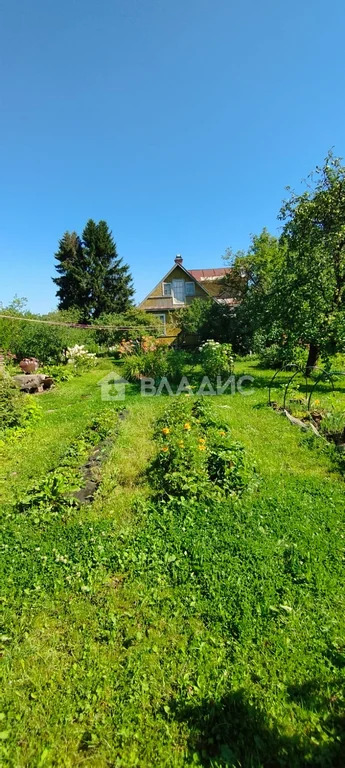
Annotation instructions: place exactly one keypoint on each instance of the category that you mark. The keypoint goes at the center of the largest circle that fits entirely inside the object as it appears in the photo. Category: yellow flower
(181, 443)
(187, 425)
(165, 430)
(202, 440)
(165, 448)
(222, 433)
(316, 402)
(202, 447)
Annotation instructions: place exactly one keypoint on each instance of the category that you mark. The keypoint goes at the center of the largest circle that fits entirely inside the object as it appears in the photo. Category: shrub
(10, 402)
(333, 426)
(197, 459)
(155, 364)
(177, 360)
(202, 319)
(276, 353)
(216, 359)
(152, 365)
(16, 409)
(80, 358)
(59, 372)
(134, 320)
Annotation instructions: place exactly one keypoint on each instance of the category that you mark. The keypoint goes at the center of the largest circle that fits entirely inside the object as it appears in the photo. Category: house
(178, 288)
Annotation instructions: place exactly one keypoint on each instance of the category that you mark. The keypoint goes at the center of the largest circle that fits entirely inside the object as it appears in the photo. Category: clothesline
(82, 326)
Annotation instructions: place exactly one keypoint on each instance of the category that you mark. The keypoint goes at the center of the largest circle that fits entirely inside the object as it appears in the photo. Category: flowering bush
(197, 457)
(80, 357)
(148, 344)
(216, 359)
(126, 348)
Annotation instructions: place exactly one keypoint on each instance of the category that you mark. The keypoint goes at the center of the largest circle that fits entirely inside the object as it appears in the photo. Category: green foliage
(292, 290)
(149, 364)
(92, 278)
(17, 411)
(80, 358)
(252, 282)
(202, 320)
(197, 457)
(180, 632)
(333, 425)
(156, 364)
(275, 353)
(311, 285)
(52, 495)
(10, 402)
(59, 372)
(137, 323)
(24, 338)
(216, 359)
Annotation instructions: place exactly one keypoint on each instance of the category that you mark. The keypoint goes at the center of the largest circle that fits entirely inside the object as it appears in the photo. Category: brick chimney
(179, 259)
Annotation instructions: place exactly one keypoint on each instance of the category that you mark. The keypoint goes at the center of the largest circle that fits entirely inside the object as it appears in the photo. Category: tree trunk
(313, 355)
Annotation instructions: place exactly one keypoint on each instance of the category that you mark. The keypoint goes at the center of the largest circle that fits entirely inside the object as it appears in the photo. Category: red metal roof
(207, 274)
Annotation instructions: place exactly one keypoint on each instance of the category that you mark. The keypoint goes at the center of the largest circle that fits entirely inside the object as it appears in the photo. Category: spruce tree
(93, 277)
(71, 268)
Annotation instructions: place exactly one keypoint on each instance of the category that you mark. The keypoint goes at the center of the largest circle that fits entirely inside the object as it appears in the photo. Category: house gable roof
(209, 274)
(165, 278)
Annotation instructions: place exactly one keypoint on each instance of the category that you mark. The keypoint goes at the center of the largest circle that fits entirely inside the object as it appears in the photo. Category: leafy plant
(333, 425)
(216, 359)
(59, 372)
(17, 411)
(153, 365)
(80, 358)
(197, 457)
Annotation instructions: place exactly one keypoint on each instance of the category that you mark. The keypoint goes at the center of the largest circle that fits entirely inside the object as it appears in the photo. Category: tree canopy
(92, 277)
(292, 288)
(312, 286)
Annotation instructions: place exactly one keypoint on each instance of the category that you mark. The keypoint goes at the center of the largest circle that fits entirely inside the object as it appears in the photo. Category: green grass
(205, 635)
(66, 410)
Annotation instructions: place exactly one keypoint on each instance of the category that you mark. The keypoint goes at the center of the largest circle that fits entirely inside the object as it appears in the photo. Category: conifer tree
(71, 268)
(92, 276)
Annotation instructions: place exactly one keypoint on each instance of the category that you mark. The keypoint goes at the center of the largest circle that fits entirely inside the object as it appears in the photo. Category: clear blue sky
(180, 122)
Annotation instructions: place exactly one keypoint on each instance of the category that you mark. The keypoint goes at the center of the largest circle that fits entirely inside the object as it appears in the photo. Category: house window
(178, 291)
(166, 289)
(162, 319)
(190, 289)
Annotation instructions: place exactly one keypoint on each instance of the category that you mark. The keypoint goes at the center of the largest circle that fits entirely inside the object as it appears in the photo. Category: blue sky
(180, 122)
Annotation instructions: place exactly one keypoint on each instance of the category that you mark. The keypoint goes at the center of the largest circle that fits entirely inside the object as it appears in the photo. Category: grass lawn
(213, 637)
(66, 409)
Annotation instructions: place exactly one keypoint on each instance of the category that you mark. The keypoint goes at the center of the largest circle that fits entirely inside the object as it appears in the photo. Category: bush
(80, 358)
(216, 359)
(10, 402)
(24, 338)
(59, 372)
(155, 364)
(129, 347)
(16, 410)
(204, 319)
(152, 365)
(275, 354)
(333, 426)
(197, 459)
(134, 320)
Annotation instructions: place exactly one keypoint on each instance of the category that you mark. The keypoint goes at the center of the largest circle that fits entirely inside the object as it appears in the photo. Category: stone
(31, 383)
